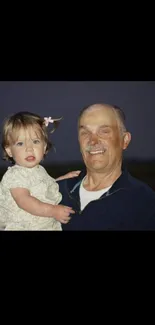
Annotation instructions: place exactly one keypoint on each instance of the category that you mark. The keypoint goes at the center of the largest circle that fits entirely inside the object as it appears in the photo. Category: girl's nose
(29, 146)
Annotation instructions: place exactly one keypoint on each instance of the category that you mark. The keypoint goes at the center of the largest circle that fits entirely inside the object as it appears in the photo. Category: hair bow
(48, 120)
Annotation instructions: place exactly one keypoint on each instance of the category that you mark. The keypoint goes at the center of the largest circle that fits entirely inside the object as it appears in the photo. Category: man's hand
(69, 175)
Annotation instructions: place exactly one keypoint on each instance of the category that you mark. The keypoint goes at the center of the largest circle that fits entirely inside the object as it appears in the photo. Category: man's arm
(69, 175)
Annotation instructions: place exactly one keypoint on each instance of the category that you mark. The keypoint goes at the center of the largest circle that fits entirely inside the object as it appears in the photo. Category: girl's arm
(30, 204)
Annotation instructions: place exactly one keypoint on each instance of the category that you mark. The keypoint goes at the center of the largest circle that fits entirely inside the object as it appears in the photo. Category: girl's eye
(19, 144)
(36, 141)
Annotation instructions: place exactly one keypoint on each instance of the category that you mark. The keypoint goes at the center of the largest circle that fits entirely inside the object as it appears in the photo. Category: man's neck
(99, 180)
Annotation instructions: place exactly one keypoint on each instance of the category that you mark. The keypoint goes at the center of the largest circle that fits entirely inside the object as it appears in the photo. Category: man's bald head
(118, 112)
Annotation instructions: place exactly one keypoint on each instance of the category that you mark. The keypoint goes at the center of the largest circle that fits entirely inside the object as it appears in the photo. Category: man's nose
(93, 138)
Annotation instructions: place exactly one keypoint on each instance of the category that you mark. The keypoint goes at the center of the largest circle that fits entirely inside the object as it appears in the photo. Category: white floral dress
(41, 185)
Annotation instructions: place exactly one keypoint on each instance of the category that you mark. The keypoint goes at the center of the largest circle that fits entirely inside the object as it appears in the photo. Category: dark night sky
(68, 98)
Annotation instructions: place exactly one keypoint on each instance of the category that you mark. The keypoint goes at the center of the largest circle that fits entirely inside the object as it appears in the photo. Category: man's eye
(84, 133)
(104, 131)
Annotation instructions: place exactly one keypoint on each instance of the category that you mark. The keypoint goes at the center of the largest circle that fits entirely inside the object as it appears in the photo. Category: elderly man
(105, 196)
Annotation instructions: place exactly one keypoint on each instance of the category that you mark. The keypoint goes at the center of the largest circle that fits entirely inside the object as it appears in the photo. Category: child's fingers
(69, 210)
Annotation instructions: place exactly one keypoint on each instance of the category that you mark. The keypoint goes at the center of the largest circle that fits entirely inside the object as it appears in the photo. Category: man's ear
(8, 150)
(126, 140)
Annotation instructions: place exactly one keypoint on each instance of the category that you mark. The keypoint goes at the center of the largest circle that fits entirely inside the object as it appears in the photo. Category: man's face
(101, 140)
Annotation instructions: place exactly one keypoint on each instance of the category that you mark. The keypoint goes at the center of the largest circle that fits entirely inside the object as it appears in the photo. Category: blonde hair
(24, 120)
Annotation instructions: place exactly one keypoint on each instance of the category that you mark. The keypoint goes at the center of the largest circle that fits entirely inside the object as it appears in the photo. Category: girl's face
(28, 148)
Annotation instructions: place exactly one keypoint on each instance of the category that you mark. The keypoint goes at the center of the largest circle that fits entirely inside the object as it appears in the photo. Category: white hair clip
(48, 120)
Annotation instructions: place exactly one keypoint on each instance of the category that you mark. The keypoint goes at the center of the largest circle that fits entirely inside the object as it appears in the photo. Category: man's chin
(95, 159)
(95, 165)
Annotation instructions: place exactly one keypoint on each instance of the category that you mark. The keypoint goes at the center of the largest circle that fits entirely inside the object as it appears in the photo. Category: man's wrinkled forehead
(98, 115)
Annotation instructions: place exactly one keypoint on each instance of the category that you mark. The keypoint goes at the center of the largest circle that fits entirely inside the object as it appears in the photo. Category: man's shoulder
(70, 183)
(138, 183)
(140, 186)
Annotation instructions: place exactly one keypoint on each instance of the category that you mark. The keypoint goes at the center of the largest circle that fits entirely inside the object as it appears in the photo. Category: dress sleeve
(14, 177)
